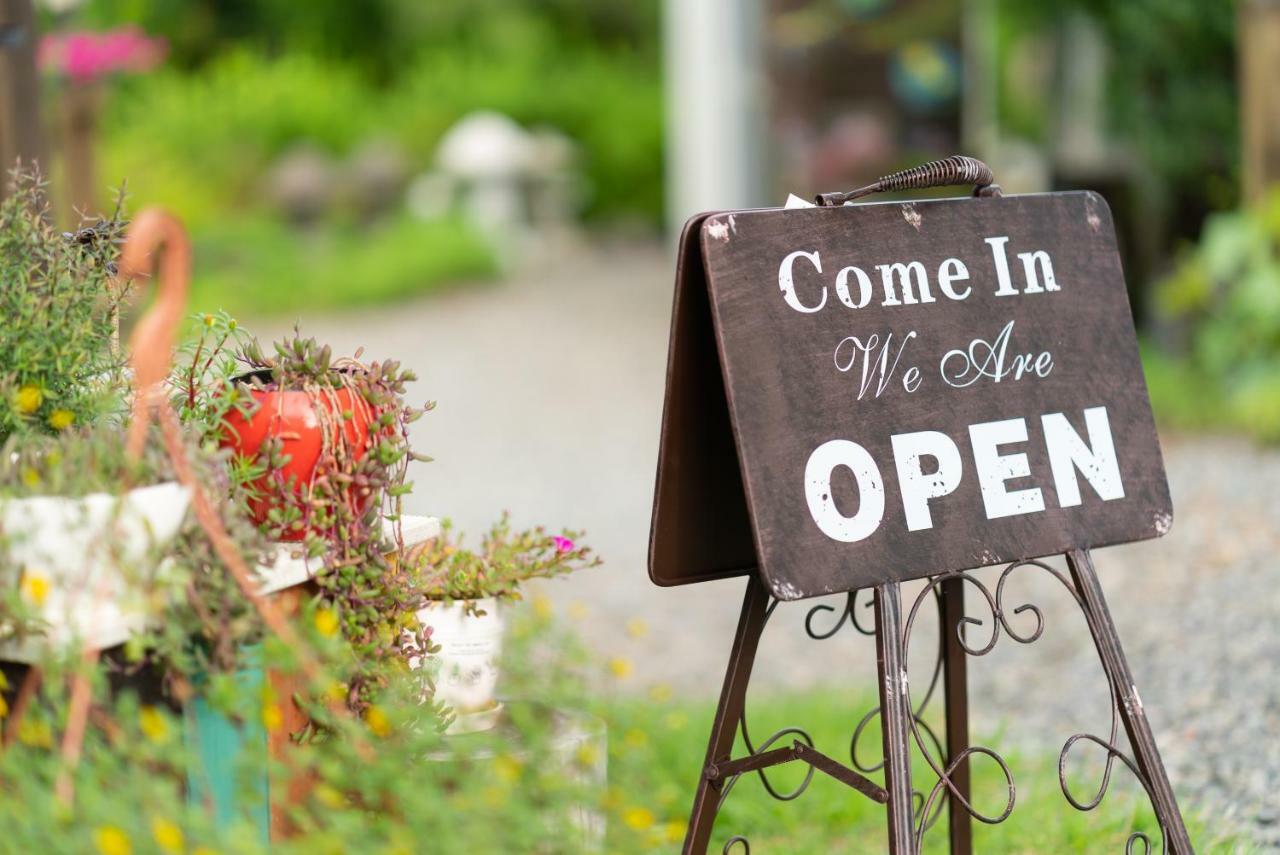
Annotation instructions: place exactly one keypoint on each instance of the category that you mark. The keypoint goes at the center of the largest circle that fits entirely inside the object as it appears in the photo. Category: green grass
(656, 750)
(261, 267)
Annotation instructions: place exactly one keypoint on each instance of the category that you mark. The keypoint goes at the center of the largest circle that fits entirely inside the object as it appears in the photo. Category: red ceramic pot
(292, 416)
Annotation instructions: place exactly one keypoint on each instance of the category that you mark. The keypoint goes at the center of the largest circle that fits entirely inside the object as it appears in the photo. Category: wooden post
(79, 115)
(20, 134)
(1259, 69)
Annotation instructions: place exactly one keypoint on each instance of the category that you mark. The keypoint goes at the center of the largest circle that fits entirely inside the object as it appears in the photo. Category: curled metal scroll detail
(1024, 623)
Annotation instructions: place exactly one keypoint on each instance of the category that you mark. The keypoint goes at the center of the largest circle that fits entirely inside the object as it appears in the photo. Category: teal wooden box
(229, 767)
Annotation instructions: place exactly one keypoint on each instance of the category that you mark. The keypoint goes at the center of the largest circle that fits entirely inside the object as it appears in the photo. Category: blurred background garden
(489, 191)
(327, 155)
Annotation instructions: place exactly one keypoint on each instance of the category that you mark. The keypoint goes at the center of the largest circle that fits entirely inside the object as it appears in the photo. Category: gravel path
(550, 391)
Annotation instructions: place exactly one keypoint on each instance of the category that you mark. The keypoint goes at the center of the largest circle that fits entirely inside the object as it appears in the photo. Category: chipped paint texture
(1091, 211)
(912, 216)
(721, 230)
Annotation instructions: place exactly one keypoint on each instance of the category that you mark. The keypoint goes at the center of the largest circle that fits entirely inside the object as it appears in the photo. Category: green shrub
(199, 144)
(58, 301)
(260, 266)
(1225, 294)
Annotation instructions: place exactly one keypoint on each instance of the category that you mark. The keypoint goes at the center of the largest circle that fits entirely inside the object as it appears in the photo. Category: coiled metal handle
(956, 169)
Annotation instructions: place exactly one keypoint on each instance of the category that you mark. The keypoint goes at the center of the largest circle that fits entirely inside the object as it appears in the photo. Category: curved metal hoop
(949, 171)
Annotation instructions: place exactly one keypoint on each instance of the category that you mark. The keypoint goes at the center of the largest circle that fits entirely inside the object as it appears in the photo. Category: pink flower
(87, 56)
(563, 544)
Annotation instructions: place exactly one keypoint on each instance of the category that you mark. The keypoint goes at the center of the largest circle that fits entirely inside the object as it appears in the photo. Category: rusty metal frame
(911, 813)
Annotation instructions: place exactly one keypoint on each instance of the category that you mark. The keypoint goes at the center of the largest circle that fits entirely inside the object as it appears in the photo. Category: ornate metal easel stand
(909, 816)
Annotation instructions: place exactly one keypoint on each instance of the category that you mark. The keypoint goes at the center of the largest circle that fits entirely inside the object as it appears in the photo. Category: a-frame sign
(859, 395)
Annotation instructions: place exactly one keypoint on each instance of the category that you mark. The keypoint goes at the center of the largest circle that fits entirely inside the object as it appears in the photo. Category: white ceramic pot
(466, 668)
(86, 564)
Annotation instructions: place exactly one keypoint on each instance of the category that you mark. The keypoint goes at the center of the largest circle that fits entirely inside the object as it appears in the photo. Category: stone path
(550, 390)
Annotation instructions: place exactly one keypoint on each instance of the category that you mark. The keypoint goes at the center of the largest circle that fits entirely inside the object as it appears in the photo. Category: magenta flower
(563, 544)
(86, 56)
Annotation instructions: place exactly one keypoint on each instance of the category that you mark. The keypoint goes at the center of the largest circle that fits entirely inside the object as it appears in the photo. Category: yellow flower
(337, 691)
(638, 818)
(660, 693)
(542, 606)
(30, 476)
(675, 721)
(577, 610)
(209, 320)
(112, 841)
(4, 707)
(327, 622)
(329, 797)
(637, 628)
(153, 724)
(272, 718)
(377, 721)
(167, 834)
(36, 734)
(620, 667)
(204, 850)
(587, 754)
(508, 768)
(28, 399)
(61, 419)
(635, 739)
(673, 831)
(35, 588)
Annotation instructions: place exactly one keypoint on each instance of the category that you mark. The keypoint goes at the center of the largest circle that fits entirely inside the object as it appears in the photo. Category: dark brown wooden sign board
(888, 391)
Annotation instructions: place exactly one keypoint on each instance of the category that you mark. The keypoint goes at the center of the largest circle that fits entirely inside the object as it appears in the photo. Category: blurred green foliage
(246, 83)
(260, 266)
(377, 36)
(1171, 89)
(1225, 295)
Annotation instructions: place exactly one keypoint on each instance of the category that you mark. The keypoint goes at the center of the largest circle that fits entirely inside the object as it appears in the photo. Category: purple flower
(563, 544)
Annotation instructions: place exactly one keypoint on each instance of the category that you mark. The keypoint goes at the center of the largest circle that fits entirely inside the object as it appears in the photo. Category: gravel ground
(550, 391)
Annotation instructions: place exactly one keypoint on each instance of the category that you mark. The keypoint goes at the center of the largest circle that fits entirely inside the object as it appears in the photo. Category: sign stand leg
(955, 689)
(895, 717)
(1129, 704)
(733, 698)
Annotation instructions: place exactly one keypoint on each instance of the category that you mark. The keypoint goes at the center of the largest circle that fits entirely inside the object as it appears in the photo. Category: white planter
(288, 564)
(92, 560)
(466, 668)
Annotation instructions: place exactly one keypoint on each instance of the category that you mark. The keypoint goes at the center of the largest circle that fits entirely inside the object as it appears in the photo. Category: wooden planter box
(221, 744)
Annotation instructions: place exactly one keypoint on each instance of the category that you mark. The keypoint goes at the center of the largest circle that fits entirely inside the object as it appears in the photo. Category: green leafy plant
(1225, 296)
(336, 511)
(59, 299)
(505, 560)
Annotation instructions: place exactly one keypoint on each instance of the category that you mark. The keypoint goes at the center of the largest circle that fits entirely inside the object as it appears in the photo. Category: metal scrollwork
(1024, 623)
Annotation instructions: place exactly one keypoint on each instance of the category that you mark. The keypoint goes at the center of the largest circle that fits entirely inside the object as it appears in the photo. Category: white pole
(716, 101)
